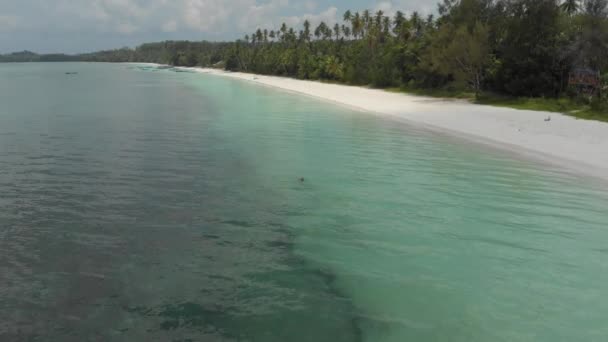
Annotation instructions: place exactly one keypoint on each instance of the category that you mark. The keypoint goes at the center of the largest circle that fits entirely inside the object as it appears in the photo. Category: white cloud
(263, 15)
(126, 28)
(206, 16)
(121, 16)
(387, 7)
(169, 26)
(310, 6)
(202, 15)
(8, 23)
(390, 7)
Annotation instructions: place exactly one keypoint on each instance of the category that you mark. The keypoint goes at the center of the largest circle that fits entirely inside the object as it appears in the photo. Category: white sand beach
(578, 145)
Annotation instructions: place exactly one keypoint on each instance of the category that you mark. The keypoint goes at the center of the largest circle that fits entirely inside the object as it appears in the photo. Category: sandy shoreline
(577, 145)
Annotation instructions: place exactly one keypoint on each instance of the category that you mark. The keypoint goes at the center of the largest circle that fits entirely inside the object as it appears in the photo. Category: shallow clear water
(146, 205)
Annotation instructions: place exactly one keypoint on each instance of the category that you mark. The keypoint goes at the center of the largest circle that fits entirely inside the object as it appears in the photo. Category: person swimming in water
(301, 179)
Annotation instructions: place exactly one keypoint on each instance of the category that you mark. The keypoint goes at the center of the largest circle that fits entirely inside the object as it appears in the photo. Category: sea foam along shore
(576, 145)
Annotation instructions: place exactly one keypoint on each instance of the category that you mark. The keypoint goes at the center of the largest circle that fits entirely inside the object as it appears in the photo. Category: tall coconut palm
(379, 16)
(283, 31)
(367, 20)
(570, 6)
(416, 22)
(348, 16)
(430, 20)
(357, 25)
(346, 31)
(291, 35)
(326, 31)
(367, 15)
(319, 30)
(337, 31)
(386, 26)
(398, 22)
(307, 30)
(259, 36)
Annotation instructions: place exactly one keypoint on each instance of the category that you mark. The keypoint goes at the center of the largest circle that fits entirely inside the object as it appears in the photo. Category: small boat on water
(71, 73)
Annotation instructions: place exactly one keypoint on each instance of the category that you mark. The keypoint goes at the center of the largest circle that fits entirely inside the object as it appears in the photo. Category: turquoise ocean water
(139, 204)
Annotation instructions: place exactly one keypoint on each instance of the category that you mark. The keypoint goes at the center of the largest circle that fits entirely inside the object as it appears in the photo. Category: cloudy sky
(86, 25)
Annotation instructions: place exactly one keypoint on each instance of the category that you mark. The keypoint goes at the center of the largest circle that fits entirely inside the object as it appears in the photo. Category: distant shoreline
(576, 145)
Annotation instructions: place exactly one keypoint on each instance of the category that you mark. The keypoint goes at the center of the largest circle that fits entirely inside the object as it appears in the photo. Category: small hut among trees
(585, 80)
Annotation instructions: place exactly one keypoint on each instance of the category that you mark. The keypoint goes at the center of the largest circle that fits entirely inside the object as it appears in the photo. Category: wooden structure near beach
(585, 81)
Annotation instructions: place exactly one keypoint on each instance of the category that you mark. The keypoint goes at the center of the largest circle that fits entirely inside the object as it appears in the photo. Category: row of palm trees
(356, 26)
(360, 25)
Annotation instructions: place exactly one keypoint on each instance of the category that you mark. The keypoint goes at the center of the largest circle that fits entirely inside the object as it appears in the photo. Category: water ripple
(175, 212)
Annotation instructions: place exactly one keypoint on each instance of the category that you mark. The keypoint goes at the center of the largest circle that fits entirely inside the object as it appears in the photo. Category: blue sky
(86, 25)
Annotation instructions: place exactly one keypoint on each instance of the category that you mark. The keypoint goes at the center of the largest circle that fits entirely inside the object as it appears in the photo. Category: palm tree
(357, 25)
(323, 31)
(386, 26)
(398, 22)
(265, 36)
(430, 20)
(291, 34)
(259, 36)
(283, 31)
(327, 32)
(346, 31)
(337, 31)
(570, 6)
(272, 35)
(348, 16)
(318, 31)
(307, 30)
(367, 19)
(416, 22)
(379, 16)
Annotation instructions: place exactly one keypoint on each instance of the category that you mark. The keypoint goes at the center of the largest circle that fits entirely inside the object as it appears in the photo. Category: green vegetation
(516, 53)
(578, 108)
